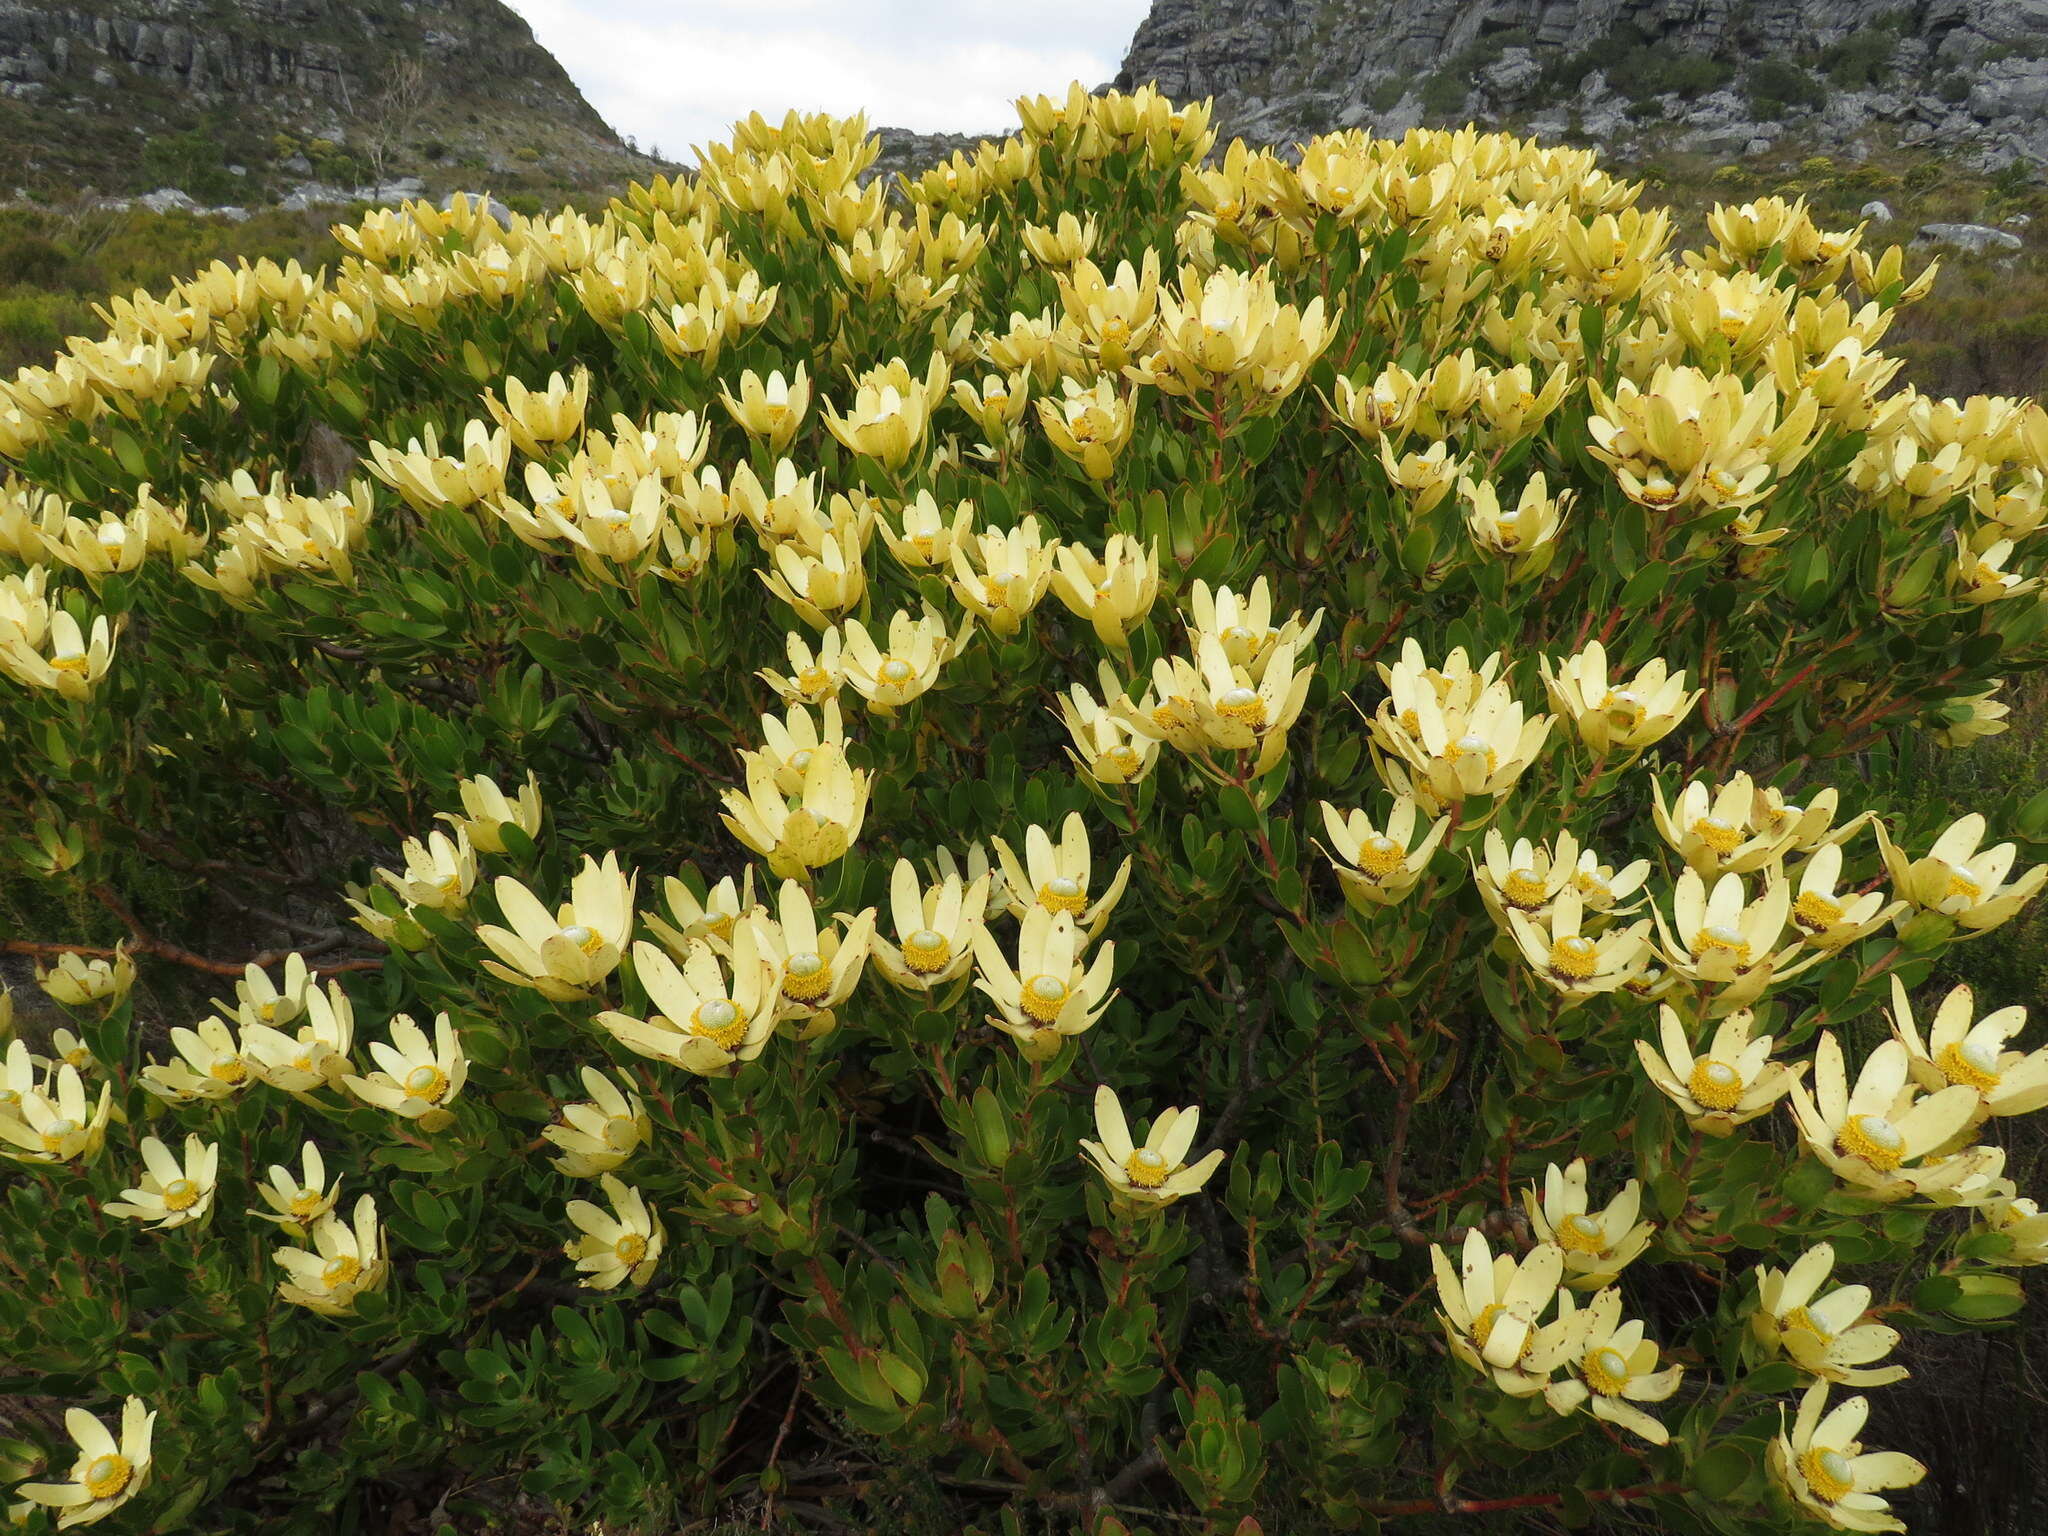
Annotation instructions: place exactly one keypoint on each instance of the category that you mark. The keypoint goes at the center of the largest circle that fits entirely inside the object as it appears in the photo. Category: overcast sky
(673, 73)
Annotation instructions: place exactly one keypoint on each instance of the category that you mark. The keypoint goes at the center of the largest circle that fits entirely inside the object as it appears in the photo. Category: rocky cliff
(1722, 76)
(269, 89)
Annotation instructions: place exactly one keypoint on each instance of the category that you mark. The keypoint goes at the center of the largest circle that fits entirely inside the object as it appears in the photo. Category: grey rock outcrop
(1716, 76)
(1975, 238)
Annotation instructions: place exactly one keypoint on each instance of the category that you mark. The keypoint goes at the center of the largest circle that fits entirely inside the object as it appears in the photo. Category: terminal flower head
(619, 1245)
(1597, 1245)
(1615, 714)
(1379, 866)
(1955, 878)
(348, 1259)
(1960, 1049)
(1882, 1136)
(935, 928)
(1822, 1466)
(713, 1012)
(1157, 1173)
(596, 1135)
(1056, 876)
(1731, 1083)
(1822, 1333)
(564, 953)
(420, 1078)
(172, 1194)
(106, 1473)
(1050, 993)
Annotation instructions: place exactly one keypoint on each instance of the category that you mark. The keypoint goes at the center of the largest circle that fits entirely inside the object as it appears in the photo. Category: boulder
(1877, 210)
(167, 199)
(1979, 239)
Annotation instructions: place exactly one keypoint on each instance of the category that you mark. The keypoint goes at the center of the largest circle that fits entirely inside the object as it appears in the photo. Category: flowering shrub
(1111, 831)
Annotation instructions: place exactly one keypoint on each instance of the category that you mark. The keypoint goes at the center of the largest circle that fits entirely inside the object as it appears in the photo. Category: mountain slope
(127, 95)
(1718, 75)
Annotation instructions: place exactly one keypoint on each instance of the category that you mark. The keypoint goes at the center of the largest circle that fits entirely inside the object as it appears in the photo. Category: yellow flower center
(1974, 1062)
(897, 670)
(1799, 1320)
(1659, 492)
(587, 939)
(813, 682)
(630, 1249)
(1598, 893)
(1167, 717)
(1723, 836)
(1828, 1473)
(925, 544)
(1524, 888)
(1044, 998)
(1874, 1139)
(1063, 893)
(307, 1202)
(720, 924)
(1724, 938)
(806, 978)
(426, 1081)
(1482, 1329)
(1961, 883)
(1714, 1084)
(227, 1069)
(69, 661)
(1147, 1169)
(180, 1195)
(1114, 332)
(1472, 746)
(1606, 1371)
(78, 1056)
(1816, 913)
(1622, 708)
(799, 760)
(1244, 706)
(1724, 482)
(719, 1022)
(1380, 856)
(1123, 759)
(56, 1133)
(1580, 1233)
(926, 951)
(1575, 958)
(106, 1476)
(340, 1270)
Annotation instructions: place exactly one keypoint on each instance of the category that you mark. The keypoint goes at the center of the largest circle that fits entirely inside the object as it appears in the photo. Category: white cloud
(678, 74)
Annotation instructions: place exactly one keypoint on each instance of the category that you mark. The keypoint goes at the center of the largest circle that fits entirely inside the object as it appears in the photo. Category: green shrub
(1310, 685)
(1775, 87)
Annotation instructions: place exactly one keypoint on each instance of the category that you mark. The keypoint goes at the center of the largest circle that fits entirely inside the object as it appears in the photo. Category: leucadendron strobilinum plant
(1121, 835)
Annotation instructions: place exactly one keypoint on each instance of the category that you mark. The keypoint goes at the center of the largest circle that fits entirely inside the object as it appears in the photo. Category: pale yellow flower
(890, 676)
(1056, 877)
(1822, 1334)
(106, 1473)
(420, 1078)
(714, 916)
(208, 1065)
(1960, 1049)
(439, 872)
(1597, 1245)
(807, 831)
(1830, 918)
(1573, 961)
(713, 1013)
(1882, 1137)
(999, 576)
(1821, 1464)
(487, 811)
(1731, 1083)
(617, 1246)
(1106, 747)
(564, 953)
(1157, 1173)
(770, 410)
(1114, 593)
(1050, 994)
(814, 676)
(929, 534)
(1614, 1369)
(935, 927)
(348, 1259)
(298, 1200)
(1492, 1312)
(1720, 940)
(172, 1194)
(1608, 713)
(818, 967)
(598, 1134)
(316, 1055)
(78, 982)
(1958, 880)
(1379, 866)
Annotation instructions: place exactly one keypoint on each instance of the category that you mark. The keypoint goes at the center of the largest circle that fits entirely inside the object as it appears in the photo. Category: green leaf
(1722, 1470)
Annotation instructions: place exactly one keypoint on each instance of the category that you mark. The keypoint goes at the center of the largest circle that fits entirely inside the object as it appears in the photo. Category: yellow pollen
(719, 1022)
(630, 1249)
(1714, 1084)
(896, 670)
(718, 924)
(1380, 856)
(1962, 883)
(1659, 492)
(1874, 1139)
(1123, 758)
(180, 1195)
(813, 682)
(1044, 998)
(69, 661)
(589, 940)
(1973, 1062)
(1598, 892)
(106, 1476)
(1575, 958)
(1622, 708)
(56, 1133)
(341, 1270)
(227, 1069)
(1525, 889)
(1580, 1233)
(1606, 1371)
(307, 1202)
(1063, 893)
(1816, 913)
(995, 591)
(1724, 837)
(926, 951)
(926, 544)
(1828, 1473)
(1146, 1168)
(1166, 717)
(1472, 746)
(1799, 1320)
(806, 978)
(426, 1081)
(1724, 939)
